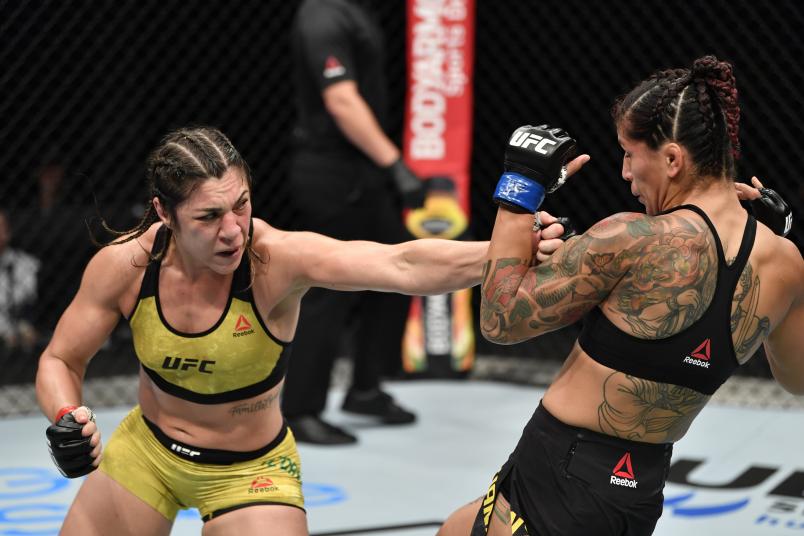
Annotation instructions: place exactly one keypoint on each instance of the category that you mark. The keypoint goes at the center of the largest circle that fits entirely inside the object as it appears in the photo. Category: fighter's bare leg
(460, 522)
(284, 520)
(103, 507)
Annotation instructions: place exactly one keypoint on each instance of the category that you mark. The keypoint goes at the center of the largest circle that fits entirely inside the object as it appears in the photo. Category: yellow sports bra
(237, 358)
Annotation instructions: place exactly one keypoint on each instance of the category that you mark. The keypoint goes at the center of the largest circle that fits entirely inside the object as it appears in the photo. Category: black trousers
(348, 198)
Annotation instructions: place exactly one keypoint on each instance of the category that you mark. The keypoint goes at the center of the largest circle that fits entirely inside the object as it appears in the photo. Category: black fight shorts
(567, 481)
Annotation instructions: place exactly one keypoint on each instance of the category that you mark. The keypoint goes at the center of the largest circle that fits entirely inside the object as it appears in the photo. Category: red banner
(439, 337)
(438, 103)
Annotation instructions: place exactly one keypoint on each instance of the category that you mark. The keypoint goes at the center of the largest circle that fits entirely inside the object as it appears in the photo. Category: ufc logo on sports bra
(176, 363)
(524, 139)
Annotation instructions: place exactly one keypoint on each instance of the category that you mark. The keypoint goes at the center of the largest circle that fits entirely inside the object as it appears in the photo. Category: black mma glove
(569, 228)
(772, 210)
(409, 186)
(535, 160)
(68, 448)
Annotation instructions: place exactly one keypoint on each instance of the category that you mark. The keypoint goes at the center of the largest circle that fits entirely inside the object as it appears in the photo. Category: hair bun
(709, 67)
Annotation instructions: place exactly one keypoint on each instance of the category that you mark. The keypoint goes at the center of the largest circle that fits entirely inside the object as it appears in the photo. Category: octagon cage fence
(90, 87)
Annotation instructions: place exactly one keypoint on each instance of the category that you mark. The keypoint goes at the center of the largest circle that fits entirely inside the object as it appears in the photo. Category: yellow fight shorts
(169, 475)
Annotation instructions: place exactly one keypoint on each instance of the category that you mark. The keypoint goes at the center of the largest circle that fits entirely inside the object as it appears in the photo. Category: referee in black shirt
(348, 182)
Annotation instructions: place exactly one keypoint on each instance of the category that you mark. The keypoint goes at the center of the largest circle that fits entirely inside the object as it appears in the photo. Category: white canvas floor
(401, 481)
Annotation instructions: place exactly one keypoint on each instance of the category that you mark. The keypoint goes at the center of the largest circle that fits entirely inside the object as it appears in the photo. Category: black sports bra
(702, 356)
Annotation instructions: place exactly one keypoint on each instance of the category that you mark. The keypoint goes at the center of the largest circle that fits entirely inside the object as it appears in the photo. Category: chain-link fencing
(90, 87)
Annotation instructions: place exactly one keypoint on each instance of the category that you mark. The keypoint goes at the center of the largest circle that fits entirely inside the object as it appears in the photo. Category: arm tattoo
(671, 283)
(653, 273)
(747, 329)
(643, 410)
(499, 290)
(544, 298)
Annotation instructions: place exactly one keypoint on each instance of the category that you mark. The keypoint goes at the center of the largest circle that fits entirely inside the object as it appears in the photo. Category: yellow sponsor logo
(488, 502)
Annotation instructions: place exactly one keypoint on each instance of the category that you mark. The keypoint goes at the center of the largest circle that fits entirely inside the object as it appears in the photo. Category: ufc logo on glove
(523, 138)
(534, 165)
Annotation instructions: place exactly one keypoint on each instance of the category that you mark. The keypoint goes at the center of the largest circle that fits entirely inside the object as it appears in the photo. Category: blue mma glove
(534, 165)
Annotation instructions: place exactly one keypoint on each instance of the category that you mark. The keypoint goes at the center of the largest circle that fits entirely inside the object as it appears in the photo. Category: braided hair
(696, 108)
(180, 163)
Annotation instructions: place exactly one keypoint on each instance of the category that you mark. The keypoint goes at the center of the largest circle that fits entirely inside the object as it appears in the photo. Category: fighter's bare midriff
(592, 396)
(243, 425)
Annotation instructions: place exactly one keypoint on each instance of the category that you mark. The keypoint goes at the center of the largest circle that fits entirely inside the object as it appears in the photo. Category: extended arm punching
(418, 267)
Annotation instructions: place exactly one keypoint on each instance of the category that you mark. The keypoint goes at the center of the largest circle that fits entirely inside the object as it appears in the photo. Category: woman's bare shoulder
(266, 237)
(272, 245)
(780, 256)
(127, 256)
(287, 254)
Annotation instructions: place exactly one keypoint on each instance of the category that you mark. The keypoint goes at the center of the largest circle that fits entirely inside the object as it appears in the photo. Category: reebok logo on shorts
(333, 67)
(262, 484)
(623, 473)
(700, 356)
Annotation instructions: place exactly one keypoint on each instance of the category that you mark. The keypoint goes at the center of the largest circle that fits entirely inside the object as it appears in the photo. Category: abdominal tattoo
(643, 410)
(253, 407)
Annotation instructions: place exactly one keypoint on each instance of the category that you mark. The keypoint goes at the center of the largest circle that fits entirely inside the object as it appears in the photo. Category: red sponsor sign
(438, 102)
(439, 338)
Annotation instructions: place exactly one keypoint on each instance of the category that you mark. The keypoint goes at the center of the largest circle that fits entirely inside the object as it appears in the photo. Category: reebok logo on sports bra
(242, 327)
(700, 356)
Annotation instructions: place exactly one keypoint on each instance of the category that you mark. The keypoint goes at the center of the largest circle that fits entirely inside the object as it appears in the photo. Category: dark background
(90, 87)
